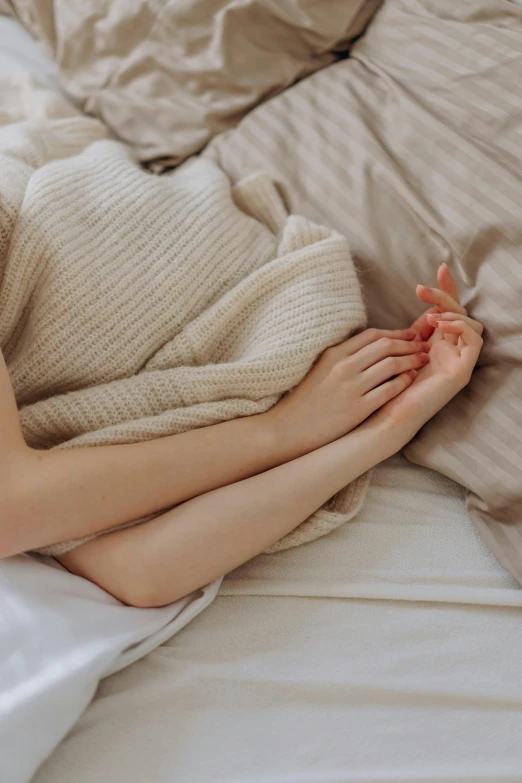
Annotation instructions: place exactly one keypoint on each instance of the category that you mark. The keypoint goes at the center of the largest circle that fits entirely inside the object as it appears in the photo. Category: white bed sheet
(386, 651)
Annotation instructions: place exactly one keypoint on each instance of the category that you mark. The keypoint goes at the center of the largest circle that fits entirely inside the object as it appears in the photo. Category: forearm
(227, 527)
(76, 492)
(191, 545)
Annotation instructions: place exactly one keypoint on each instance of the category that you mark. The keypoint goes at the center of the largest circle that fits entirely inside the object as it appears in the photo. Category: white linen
(19, 52)
(59, 634)
(388, 651)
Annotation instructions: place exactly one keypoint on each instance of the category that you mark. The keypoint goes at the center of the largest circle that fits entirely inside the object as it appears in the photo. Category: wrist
(384, 437)
(391, 436)
(404, 427)
(273, 437)
(280, 439)
(398, 434)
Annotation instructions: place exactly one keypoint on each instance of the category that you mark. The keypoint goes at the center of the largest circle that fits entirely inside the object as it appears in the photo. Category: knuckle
(412, 347)
(339, 368)
(394, 387)
(380, 398)
(373, 333)
(386, 343)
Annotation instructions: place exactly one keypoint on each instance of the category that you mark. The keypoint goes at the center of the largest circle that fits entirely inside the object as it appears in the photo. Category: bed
(388, 650)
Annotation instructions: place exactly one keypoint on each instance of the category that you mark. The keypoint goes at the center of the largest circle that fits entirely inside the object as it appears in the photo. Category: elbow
(131, 583)
(142, 590)
(146, 595)
(127, 574)
(142, 587)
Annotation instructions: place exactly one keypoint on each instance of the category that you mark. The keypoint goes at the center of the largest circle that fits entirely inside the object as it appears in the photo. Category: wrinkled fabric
(59, 635)
(168, 76)
(411, 148)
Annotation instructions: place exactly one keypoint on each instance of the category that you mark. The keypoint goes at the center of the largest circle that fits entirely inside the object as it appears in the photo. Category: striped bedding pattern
(412, 147)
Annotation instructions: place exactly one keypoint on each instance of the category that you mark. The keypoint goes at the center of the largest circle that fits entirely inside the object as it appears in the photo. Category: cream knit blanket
(134, 306)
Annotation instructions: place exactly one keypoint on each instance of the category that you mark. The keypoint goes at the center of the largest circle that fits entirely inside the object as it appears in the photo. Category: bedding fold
(166, 77)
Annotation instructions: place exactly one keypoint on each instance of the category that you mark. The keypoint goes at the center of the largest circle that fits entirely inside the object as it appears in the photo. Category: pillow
(167, 76)
(412, 149)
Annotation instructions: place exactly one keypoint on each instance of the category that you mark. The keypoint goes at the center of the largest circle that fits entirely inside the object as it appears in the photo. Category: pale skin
(240, 486)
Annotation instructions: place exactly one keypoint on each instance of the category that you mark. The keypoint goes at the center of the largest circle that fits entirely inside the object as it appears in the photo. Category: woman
(241, 485)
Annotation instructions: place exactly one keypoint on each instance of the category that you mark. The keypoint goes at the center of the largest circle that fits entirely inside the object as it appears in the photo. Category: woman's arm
(51, 496)
(180, 551)
(164, 559)
(11, 439)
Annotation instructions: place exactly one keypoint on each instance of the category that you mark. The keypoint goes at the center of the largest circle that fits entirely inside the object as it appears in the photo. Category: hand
(455, 346)
(347, 384)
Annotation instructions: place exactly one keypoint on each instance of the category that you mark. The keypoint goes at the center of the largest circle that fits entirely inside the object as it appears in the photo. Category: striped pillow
(412, 149)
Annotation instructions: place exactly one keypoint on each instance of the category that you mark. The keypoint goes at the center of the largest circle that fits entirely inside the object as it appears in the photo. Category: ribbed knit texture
(133, 306)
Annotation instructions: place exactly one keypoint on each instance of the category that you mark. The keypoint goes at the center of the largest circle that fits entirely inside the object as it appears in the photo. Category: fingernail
(424, 358)
(432, 317)
(412, 374)
(421, 287)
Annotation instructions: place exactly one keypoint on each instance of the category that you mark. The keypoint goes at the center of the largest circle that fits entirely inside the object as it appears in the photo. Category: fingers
(435, 319)
(443, 301)
(393, 365)
(469, 343)
(422, 326)
(385, 347)
(447, 283)
(378, 397)
(468, 336)
(369, 336)
(448, 286)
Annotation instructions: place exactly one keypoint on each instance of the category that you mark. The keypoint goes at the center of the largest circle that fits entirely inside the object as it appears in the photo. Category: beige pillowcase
(412, 149)
(167, 76)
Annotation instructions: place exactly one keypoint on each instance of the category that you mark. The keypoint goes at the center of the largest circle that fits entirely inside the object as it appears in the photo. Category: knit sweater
(134, 306)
